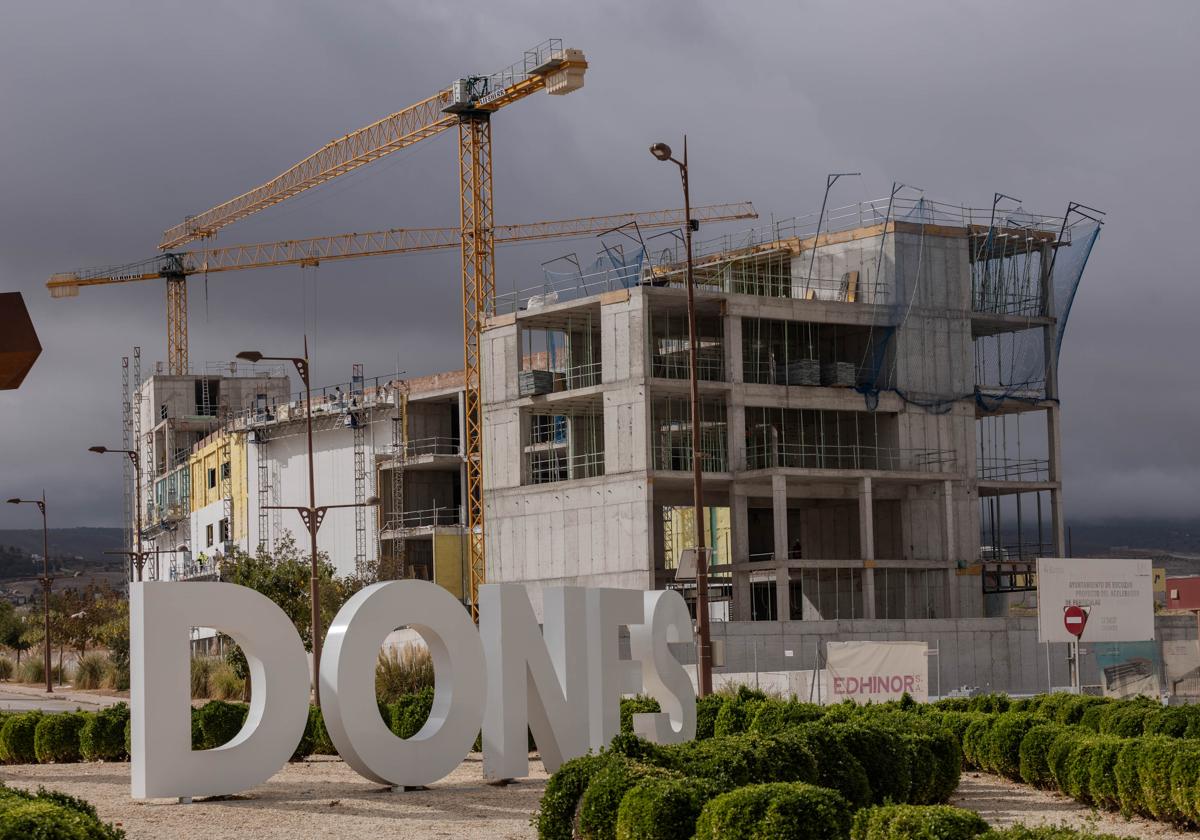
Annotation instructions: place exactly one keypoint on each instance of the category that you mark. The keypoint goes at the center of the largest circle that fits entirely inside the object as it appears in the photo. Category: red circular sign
(1075, 619)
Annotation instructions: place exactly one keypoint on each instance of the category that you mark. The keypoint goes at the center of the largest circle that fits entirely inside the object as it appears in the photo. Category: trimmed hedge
(56, 738)
(837, 767)
(17, 738)
(406, 716)
(1000, 749)
(664, 809)
(607, 788)
(779, 810)
(555, 817)
(102, 737)
(883, 755)
(216, 723)
(1033, 761)
(917, 822)
(49, 815)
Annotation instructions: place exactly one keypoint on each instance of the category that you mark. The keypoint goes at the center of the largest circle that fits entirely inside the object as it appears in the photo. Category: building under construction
(879, 422)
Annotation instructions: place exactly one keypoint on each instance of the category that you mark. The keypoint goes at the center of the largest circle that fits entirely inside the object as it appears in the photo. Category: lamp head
(251, 356)
(99, 449)
(661, 151)
(14, 501)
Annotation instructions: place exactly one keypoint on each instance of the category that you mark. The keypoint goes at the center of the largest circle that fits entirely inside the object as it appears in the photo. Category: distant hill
(1166, 536)
(73, 548)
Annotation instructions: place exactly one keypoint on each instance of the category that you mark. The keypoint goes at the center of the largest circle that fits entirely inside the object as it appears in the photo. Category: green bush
(631, 706)
(49, 815)
(734, 716)
(935, 765)
(773, 716)
(884, 757)
(201, 669)
(1102, 776)
(837, 767)
(90, 670)
(1185, 779)
(6, 668)
(1125, 720)
(916, 822)
(780, 811)
(56, 738)
(1033, 754)
(1059, 754)
(1073, 707)
(17, 738)
(409, 713)
(664, 809)
(1129, 786)
(1154, 759)
(102, 737)
(555, 817)
(707, 708)
(1172, 721)
(602, 797)
(218, 722)
(1000, 751)
(974, 741)
(1090, 719)
(321, 745)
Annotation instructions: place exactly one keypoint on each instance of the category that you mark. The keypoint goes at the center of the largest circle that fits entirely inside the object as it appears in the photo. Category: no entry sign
(1075, 619)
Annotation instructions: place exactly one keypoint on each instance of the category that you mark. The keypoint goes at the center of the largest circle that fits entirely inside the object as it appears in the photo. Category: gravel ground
(1003, 803)
(321, 797)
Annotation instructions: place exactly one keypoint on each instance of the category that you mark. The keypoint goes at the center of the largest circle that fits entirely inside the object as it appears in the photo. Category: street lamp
(139, 556)
(311, 515)
(46, 580)
(662, 152)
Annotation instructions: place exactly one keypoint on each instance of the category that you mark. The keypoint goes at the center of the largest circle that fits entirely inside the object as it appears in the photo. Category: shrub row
(49, 814)
(1105, 716)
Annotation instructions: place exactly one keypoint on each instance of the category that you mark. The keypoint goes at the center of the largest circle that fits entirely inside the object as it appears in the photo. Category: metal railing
(548, 466)
(429, 517)
(422, 447)
(848, 457)
(1013, 469)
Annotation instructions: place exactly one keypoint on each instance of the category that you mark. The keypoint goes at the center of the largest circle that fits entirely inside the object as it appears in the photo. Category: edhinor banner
(876, 671)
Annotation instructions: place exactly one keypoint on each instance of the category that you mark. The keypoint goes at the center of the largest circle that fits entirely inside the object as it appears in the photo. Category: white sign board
(1117, 594)
(876, 671)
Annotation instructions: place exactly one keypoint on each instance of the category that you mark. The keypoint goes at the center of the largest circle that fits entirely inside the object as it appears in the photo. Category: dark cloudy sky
(119, 118)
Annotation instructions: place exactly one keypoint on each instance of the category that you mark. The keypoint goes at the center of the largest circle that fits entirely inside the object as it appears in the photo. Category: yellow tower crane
(468, 103)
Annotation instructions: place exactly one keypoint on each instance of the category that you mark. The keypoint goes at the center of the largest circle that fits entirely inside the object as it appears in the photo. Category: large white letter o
(348, 682)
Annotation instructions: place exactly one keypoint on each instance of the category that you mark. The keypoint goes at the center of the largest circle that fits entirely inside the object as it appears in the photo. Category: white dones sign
(876, 671)
(1118, 596)
(564, 682)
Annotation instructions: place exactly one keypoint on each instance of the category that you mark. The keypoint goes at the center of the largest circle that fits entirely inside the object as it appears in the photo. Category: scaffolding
(397, 555)
(259, 438)
(360, 471)
(127, 472)
(671, 419)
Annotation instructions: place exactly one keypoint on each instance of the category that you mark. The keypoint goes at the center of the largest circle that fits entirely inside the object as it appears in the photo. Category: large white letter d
(161, 616)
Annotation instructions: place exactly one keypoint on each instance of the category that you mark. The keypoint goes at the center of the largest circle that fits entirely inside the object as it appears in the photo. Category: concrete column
(782, 593)
(739, 525)
(733, 348)
(951, 549)
(735, 420)
(866, 542)
(779, 515)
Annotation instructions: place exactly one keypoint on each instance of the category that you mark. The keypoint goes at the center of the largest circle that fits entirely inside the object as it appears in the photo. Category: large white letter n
(161, 616)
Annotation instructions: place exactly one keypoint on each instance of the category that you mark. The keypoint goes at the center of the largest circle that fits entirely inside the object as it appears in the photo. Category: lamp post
(310, 514)
(46, 582)
(662, 152)
(139, 557)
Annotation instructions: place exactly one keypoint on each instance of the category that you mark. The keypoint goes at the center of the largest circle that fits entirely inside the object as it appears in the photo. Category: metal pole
(704, 658)
(313, 524)
(46, 591)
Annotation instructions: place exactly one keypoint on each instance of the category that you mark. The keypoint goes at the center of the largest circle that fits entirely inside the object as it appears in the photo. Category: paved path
(27, 698)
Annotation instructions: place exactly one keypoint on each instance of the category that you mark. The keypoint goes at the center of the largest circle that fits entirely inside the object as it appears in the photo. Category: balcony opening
(563, 446)
(672, 430)
(671, 346)
(561, 357)
(802, 353)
